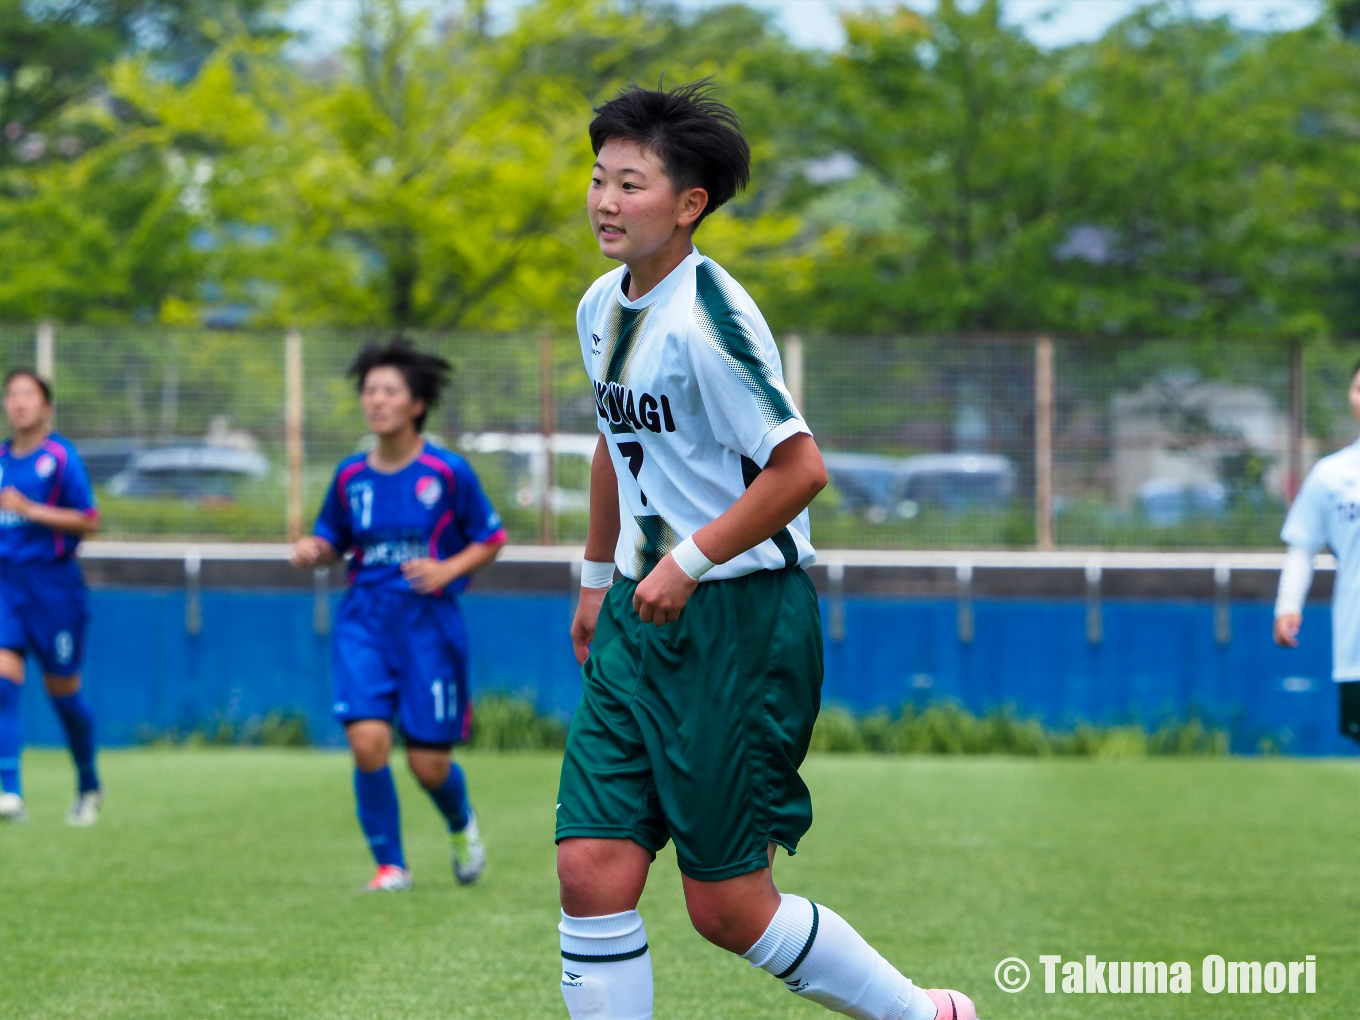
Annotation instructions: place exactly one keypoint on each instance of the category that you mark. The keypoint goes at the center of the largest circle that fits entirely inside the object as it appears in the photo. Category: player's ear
(693, 202)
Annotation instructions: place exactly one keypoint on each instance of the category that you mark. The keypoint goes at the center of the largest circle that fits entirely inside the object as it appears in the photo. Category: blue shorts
(43, 610)
(403, 656)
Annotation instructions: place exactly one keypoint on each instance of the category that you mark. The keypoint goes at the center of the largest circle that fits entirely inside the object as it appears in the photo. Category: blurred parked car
(104, 458)
(188, 472)
(884, 488)
(1167, 502)
(529, 464)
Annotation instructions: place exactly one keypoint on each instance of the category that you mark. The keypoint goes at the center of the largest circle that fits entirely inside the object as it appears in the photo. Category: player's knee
(61, 686)
(725, 925)
(430, 769)
(600, 876)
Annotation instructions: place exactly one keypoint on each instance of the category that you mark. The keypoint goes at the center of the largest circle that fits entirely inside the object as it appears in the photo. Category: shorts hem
(725, 871)
(608, 832)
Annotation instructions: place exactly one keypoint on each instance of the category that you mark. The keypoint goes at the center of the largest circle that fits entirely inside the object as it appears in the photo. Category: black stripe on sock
(615, 958)
(807, 946)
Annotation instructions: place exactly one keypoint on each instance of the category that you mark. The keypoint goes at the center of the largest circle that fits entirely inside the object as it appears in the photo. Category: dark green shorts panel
(695, 730)
(1350, 709)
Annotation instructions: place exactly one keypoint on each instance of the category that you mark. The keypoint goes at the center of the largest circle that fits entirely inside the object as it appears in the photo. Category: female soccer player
(1327, 513)
(702, 668)
(46, 508)
(419, 526)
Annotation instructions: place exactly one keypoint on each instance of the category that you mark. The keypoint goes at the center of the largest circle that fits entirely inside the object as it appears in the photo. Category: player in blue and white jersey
(417, 525)
(1327, 513)
(46, 508)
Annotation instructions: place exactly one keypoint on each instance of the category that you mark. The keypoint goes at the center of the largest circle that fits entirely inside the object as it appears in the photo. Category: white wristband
(595, 574)
(690, 558)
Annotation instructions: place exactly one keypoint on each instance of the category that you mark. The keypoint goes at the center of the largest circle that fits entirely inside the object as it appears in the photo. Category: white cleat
(389, 878)
(12, 808)
(85, 811)
(469, 852)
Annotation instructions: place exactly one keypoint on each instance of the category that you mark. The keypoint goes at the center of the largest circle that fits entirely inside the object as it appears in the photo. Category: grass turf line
(224, 883)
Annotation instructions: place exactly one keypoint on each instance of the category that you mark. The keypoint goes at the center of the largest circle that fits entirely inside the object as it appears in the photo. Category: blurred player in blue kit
(1327, 513)
(418, 526)
(46, 508)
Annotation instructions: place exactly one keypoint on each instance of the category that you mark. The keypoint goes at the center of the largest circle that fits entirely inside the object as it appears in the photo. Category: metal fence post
(293, 422)
(793, 369)
(1294, 478)
(1043, 443)
(44, 351)
(547, 420)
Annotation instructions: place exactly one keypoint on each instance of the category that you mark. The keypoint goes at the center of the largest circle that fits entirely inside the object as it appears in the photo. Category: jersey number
(633, 451)
(441, 706)
(361, 503)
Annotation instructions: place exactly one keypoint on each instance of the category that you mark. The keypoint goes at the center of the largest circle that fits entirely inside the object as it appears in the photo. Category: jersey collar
(686, 265)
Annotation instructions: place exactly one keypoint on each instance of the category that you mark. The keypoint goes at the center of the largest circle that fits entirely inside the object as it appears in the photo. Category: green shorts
(694, 731)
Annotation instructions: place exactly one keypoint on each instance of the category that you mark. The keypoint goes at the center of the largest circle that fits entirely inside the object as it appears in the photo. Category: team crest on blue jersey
(428, 491)
(45, 465)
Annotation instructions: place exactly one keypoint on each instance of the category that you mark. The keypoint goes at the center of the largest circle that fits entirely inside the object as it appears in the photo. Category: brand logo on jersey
(428, 491)
(615, 403)
(596, 340)
(45, 466)
(65, 647)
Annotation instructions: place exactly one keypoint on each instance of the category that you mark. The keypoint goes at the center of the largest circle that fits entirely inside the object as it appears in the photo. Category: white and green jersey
(690, 393)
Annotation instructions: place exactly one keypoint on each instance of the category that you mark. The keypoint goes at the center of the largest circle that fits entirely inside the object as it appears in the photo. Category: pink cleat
(389, 878)
(951, 1005)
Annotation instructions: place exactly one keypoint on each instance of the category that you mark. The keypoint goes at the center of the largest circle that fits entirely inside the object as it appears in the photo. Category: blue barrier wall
(257, 651)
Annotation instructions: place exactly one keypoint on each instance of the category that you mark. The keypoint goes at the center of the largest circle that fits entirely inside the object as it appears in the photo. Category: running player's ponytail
(426, 374)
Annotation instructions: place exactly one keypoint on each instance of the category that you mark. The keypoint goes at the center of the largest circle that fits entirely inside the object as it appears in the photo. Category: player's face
(1355, 396)
(388, 405)
(25, 406)
(634, 208)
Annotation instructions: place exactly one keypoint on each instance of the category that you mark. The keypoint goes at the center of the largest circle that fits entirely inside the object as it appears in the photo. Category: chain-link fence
(943, 442)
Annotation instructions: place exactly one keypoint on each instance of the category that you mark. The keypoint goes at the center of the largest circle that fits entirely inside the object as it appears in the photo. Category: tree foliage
(1178, 176)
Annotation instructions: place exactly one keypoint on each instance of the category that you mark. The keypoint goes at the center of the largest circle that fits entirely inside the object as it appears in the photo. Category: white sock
(820, 957)
(606, 968)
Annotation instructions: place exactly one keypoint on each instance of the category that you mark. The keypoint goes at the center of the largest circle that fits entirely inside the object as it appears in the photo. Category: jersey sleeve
(477, 518)
(333, 523)
(1306, 524)
(76, 491)
(739, 375)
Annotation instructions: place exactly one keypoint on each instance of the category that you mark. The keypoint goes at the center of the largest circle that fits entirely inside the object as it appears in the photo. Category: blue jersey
(53, 474)
(433, 507)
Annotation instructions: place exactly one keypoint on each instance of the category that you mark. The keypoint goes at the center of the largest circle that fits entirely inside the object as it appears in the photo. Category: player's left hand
(663, 593)
(13, 500)
(426, 575)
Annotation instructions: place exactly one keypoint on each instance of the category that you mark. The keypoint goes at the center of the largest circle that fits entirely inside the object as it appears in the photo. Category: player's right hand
(1287, 630)
(306, 552)
(583, 625)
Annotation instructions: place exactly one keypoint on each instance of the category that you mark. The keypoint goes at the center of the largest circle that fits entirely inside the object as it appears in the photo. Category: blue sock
(78, 722)
(380, 815)
(11, 737)
(451, 799)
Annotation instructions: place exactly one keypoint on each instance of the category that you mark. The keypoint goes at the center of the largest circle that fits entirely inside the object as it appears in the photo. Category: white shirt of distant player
(1327, 513)
(697, 384)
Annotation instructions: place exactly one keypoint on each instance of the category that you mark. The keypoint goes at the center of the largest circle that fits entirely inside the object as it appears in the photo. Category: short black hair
(426, 374)
(697, 138)
(43, 384)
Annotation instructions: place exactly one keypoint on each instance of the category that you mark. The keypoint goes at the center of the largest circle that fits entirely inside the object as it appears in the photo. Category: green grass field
(225, 884)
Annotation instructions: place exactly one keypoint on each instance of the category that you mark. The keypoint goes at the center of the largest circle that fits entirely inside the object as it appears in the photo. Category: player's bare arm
(783, 490)
(313, 551)
(427, 574)
(58, 518)
(601, 538)
(1287, 629)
